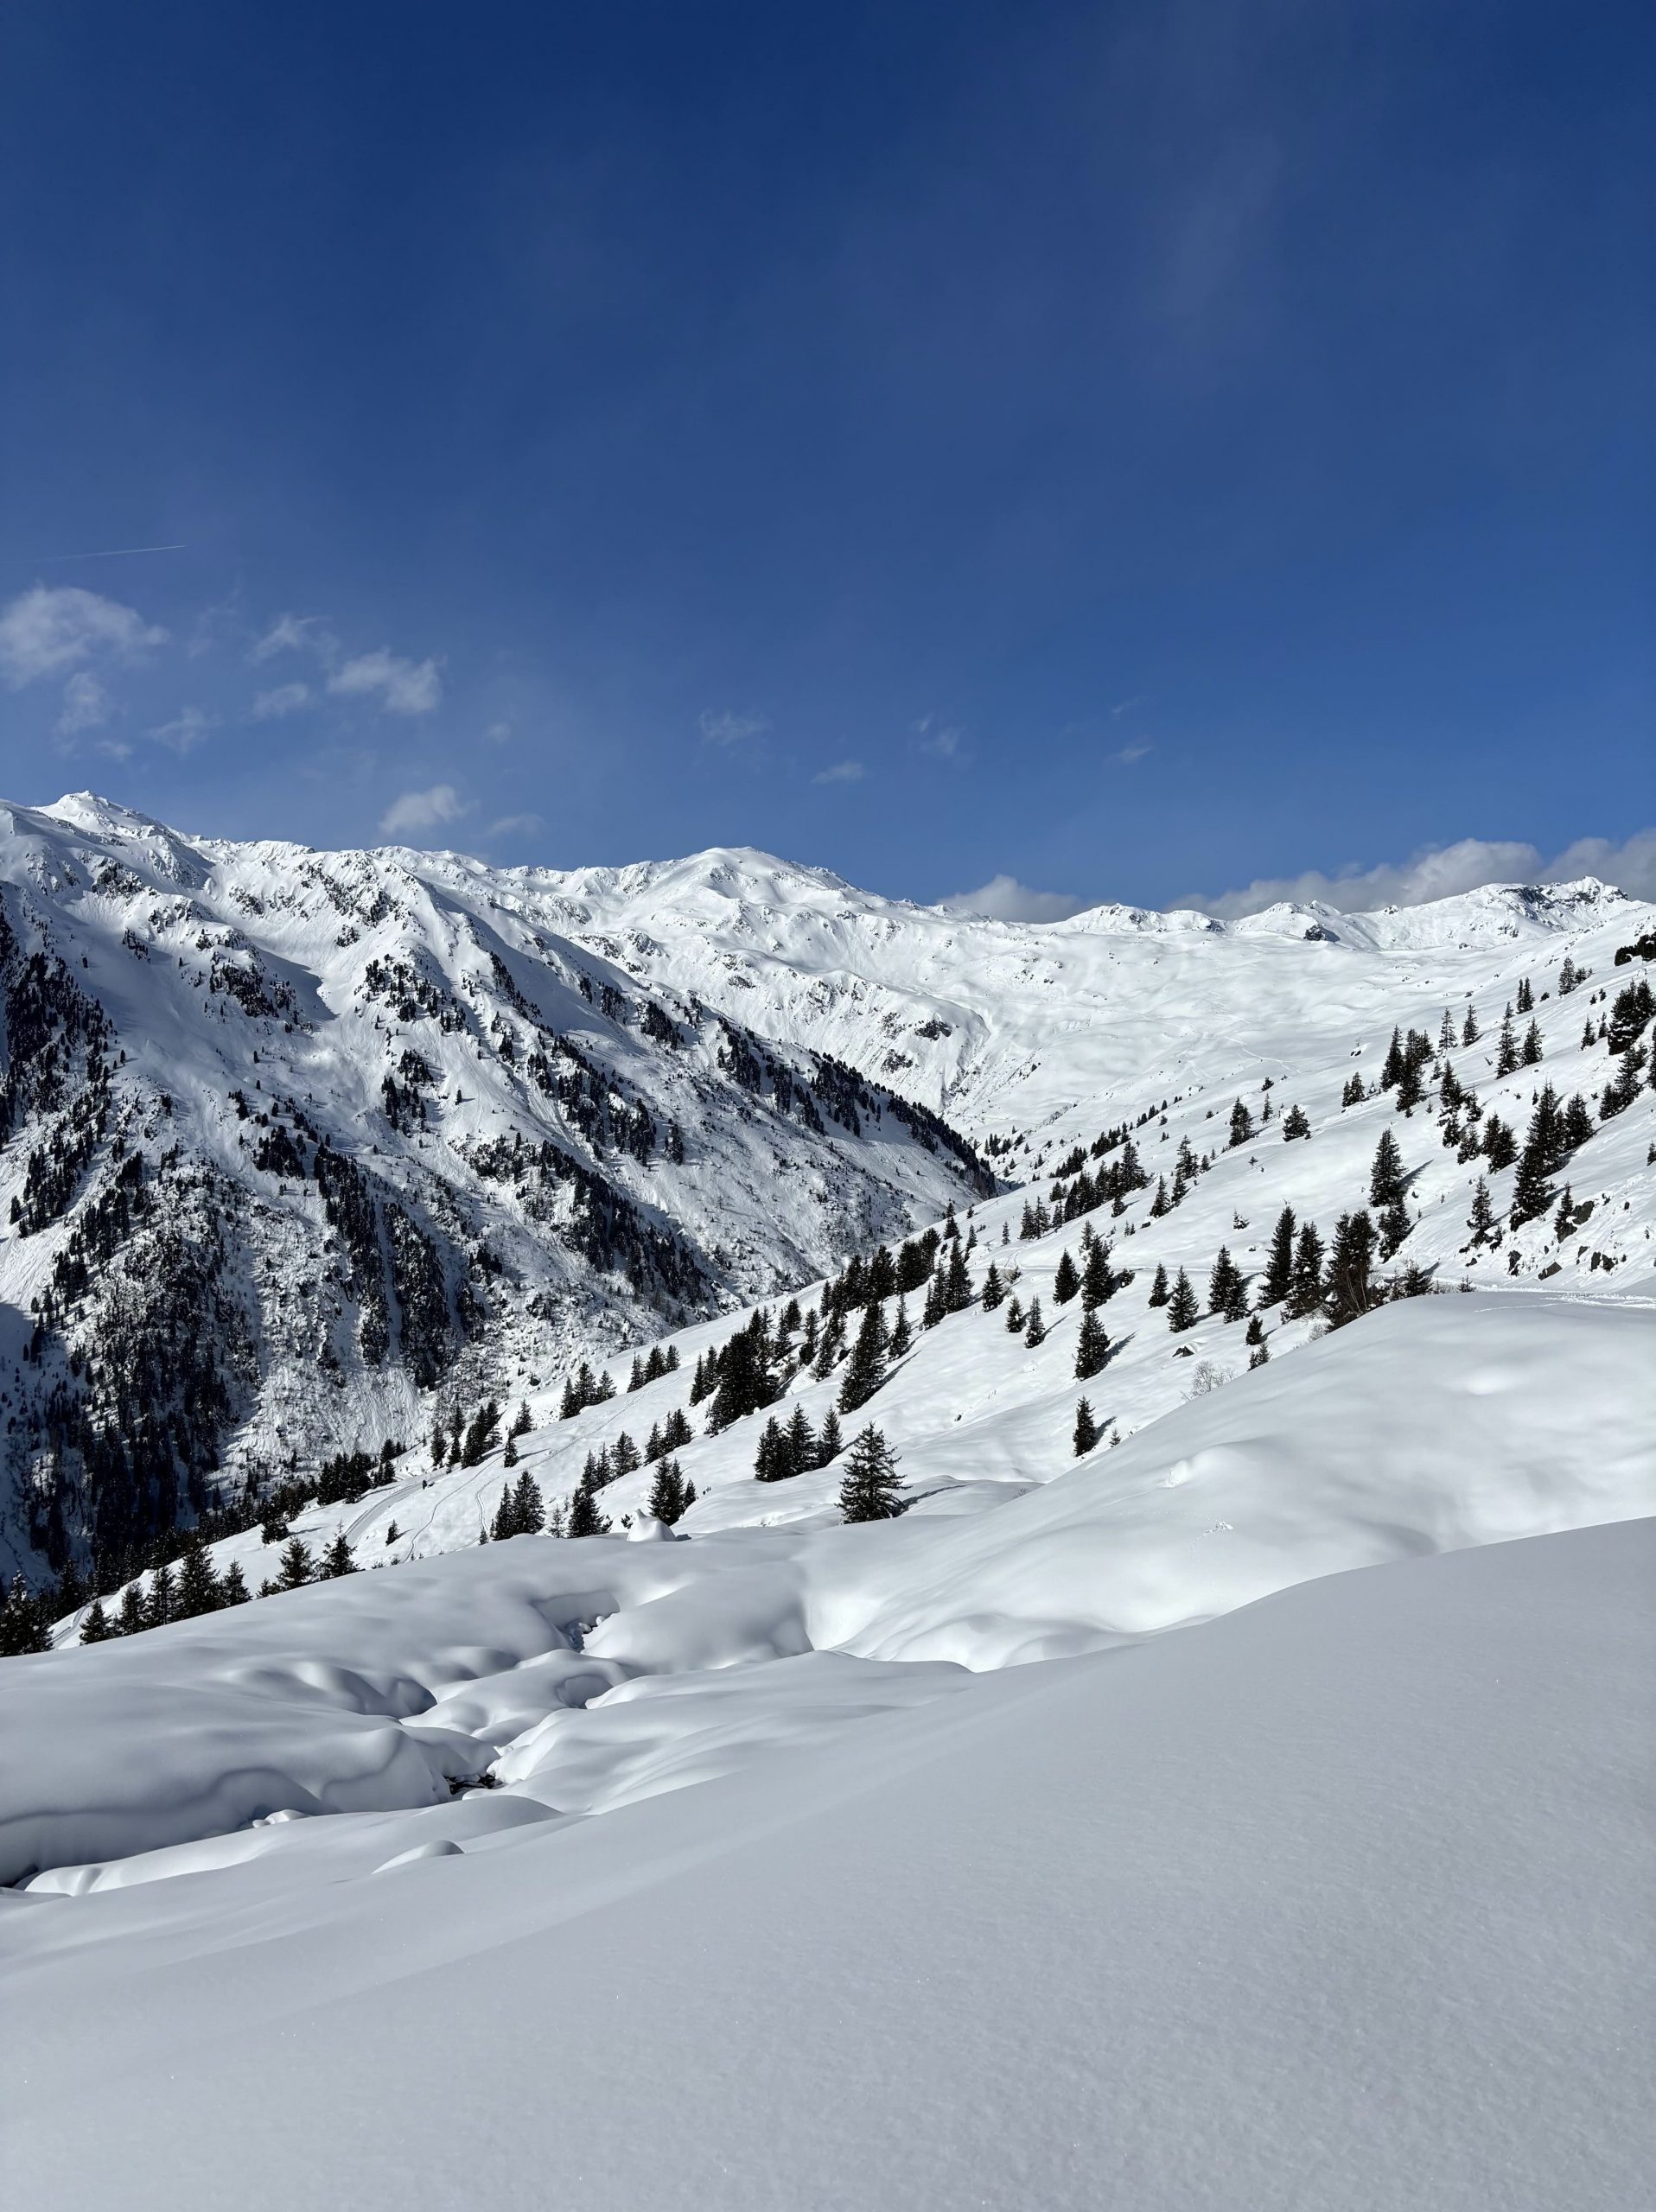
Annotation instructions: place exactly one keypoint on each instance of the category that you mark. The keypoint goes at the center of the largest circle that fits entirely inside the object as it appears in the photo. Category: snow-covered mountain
(301, 1146)
(293, 1139)
(969, 1855)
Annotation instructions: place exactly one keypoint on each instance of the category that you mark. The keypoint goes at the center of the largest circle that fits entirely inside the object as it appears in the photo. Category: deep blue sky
(719, 396)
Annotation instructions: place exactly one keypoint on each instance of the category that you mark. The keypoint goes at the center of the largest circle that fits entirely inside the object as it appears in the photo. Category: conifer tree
(1256, 1330)
(294, 1568)
(1182, 1309)
(1014, 1317)
(1354, 1093)
(994, 1289)
(800, 1440)
(1530, 1052)
(1348, 1285)
(625, 1458)
(585, 1519)
(830, 1442)
(771, 1458)
(1525, 996)
(522, 1422)
(1066, 1281)
(1160, 1204)
(198, 1585)
(134, 1615)
(1228, 1294)
(1241, 1125)
(528, 1509)
(1506, 1047)
(509, 1456)
(1531, 1192)
(1098, 1284)
(337, 1559)
(1391, 1066)
(96, 1627)
(162, 1605)
(1035, 1329)
(1086, 1429)
(865, 1370)
(1159, 1291)
(1385, 1177)
(1394, 1226)
(1295, 1124)
(1305, 1289)
(1575, 1126)
(667, 1501)
(1279, 1265)
(871, 1488)
(1092, 1346)
(233, 1587)
(901, 1335)
(1470, 1031)
(1500, 1146)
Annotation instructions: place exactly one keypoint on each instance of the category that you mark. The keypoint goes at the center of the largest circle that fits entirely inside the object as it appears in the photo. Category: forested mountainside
(292, 1140)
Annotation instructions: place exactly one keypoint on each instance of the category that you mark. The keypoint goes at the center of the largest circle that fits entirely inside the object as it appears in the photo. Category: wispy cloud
(295, 633)
(86, 705)
(1004, 898)
(286, 699)
(1129, 754)
(403, 687)
(411, 812)
(843, 772)
(499, 733)
(47, 630)
(941, 740)
(1440, 871)
(514, 825)
(1125, 706)
(721, 727)
(189, 727)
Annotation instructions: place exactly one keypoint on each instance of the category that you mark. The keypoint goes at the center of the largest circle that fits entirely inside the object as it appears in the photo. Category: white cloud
(295, 633)
(46, 630)
(189, 728)
(1129, 754)
(515, 825)
(417, 810)
(1440, 871)
(286, 699)
(499, 733)
(726, 728)
(86, 705)
(1125, 706)
(843, 772)
(404, 687)
(1004, 898)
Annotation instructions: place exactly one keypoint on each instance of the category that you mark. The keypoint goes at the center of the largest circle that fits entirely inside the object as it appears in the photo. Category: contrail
(112, 553)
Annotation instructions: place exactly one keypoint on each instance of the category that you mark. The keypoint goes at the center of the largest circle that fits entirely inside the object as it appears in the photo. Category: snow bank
(1340, 1901)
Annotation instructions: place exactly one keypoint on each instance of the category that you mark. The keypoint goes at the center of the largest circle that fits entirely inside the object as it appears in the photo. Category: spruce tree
(528, 1509)
(1279, 1265)
(198, 1585)
(1470, 1031)
(1295, 1124)
(771, 1458)
(801, 1441)
(830, 1442)
(1526, 995)
(1227, 1294)
(1065, 1281)
(1092, 1346)
(865, 1370)
(1014, 1317)
(337, 1559)
(994, 1289)
(134, 1615)
(1348, 1286)
(1305, 1288)
(585, 1519)
(667, 1499)
(295, 1569)
(957, 1280)
(1086, 1429)
(871, 1488)
(903, 1336)
(1183, 1312)
(1035, 1329)
(1394, 1227)
(1391, 1066)
(162, 1605)
(97, 1628)
(1506, 1047)
(1159, 1293)
(1531, 1192)
(233, 1587)
(1532, 1052)
(1386, 1181)
(1097, 1284)
(1241, 1125)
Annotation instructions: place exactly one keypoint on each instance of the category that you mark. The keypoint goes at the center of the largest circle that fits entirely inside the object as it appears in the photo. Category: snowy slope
(1339, 1902)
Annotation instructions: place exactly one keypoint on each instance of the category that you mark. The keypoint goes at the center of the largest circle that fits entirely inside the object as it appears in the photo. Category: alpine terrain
(678, 1535)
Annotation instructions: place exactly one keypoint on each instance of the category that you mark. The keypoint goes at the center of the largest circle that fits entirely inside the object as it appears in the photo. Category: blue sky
(1128, 449)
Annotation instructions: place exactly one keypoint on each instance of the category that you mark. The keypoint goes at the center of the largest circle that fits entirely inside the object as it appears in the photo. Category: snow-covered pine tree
(1183, 1312)
(1092, 1346)
(1279, 1264)
(1087, 1431)
(1066, 1281)
(1035, 1329)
